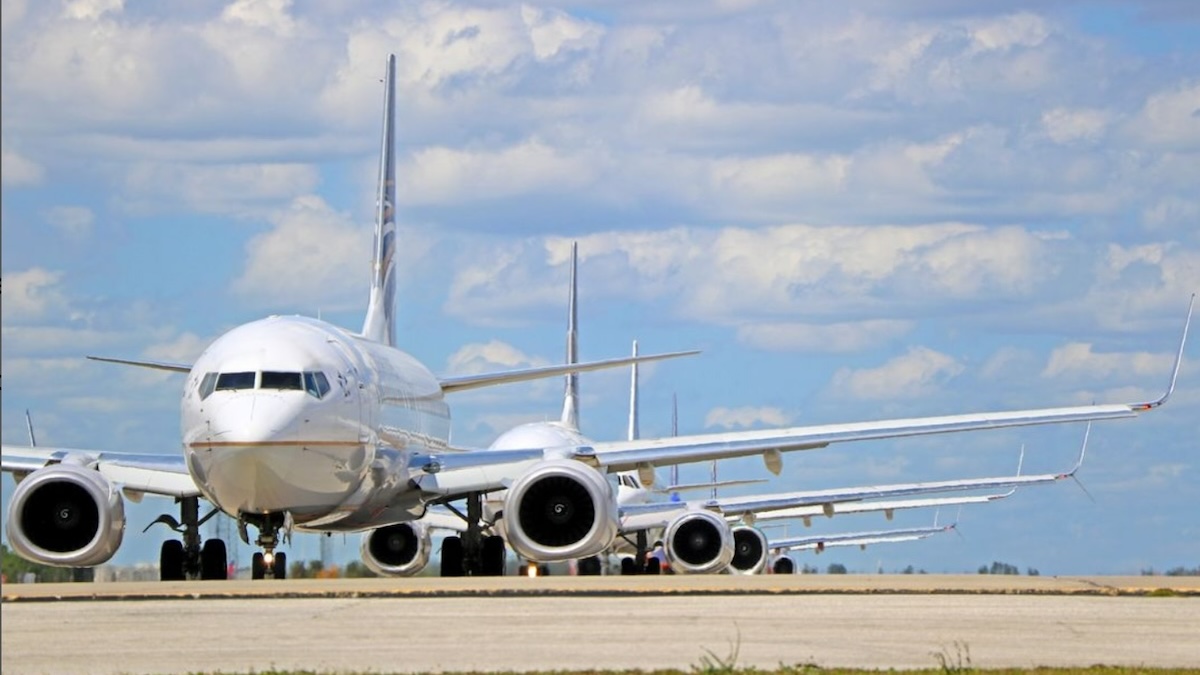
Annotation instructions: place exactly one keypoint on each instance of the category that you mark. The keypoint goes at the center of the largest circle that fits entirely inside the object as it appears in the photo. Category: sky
(855, 210)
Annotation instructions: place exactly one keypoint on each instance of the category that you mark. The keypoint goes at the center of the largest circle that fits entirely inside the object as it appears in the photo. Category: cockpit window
(275, 380)
(235, 381)
(316, 384)
(207, 384)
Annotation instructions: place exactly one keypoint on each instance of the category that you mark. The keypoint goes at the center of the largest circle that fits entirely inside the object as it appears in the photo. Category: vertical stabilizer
(380, 323)
(634, 432)
(570, 413)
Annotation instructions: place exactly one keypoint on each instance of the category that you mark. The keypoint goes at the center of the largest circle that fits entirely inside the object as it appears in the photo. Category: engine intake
(749, 551)
(698, 542)
(560, 510)
(397, 550)
(66, 515)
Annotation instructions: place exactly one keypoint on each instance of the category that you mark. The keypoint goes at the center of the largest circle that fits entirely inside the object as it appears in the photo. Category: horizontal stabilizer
(155, 365)
(452, 384)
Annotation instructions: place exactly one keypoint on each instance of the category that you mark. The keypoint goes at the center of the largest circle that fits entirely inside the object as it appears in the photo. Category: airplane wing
(135, 474)
(644, 455)
(643, 516)
(887, 506)
(464, 382)
(822, 542)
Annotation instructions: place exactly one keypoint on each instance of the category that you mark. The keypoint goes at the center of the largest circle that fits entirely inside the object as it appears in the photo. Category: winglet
(1150, 405)
(29, 426)
(570, 413)
(1082, 449)
(380, 322)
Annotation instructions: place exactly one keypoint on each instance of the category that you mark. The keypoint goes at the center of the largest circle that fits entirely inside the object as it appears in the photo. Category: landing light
(531, 570)
(268, 558)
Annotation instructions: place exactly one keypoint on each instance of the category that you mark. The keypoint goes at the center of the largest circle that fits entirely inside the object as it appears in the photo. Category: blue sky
(855, 212)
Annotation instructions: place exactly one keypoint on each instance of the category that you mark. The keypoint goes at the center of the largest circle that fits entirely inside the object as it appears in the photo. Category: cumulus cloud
(919, 372)
(837, 338)
(1170, 118)
(1066, 126)
(307, 259)
(738, 275)
(746, 417)
(476, 358)
(74, 222)
(33, 293)
(216, 188)
(16, 170)
(1079, 360)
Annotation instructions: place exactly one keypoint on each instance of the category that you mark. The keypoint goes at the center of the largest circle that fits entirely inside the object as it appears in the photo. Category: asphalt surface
(572, 623)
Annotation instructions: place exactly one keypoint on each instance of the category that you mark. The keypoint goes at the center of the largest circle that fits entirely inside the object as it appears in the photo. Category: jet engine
(749, 551)
(560, 510)
(397, 550)
(66, 515)
(698, 542)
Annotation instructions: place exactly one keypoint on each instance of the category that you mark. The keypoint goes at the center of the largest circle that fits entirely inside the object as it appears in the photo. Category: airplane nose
(256, 418)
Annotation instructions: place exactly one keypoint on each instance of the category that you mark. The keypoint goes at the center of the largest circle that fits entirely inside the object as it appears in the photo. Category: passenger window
(272, 380)
(235, 381)
(207, 385)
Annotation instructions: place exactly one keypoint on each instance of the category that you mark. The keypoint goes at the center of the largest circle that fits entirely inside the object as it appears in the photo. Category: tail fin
(570, 413)
(380, 322)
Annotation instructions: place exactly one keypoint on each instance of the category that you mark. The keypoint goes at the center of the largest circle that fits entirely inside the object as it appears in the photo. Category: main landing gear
(187, 559)
(473, 553)
(265, 564)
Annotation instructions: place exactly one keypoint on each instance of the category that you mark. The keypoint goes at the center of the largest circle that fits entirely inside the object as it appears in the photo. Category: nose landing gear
(267, 563)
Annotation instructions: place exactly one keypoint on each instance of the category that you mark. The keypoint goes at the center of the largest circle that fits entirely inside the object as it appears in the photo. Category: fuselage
(292, 415)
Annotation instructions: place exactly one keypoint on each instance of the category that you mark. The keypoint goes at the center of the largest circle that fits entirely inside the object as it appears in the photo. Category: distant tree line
(1180, 571)
(15, 569)
(1005, 568)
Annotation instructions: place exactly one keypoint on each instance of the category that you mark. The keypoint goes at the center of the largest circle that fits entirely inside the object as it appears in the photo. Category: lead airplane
(294, 423)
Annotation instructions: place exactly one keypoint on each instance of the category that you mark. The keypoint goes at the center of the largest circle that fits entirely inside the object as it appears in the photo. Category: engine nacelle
(749, 551)
(698, 542)
(397, 550)
(560, 510)
(66, 515)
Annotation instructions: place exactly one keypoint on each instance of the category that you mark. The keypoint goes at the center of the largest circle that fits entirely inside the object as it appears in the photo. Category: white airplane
(294, 423)
(818, 543)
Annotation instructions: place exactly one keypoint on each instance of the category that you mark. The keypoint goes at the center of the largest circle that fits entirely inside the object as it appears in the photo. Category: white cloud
(1077, 359)
(476, 358)
(1170, 119)
(745, 417)
(16, 170)
(920, 372)
(74, 222)
(33, 293)
(1064, 125)
(1015, 30)
(308, 259)
(555, 31)
(446, 175)
(90, 10)
(217, 188)
(837, 338)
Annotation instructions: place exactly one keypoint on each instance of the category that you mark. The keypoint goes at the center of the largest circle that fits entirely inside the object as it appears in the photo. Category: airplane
(292, 423)
(818, 543)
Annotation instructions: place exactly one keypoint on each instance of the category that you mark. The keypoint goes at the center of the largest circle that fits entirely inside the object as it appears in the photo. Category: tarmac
(555, 623)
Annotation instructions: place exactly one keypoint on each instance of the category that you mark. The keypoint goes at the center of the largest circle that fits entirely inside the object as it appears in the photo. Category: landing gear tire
(213, 560)
(495, 556)
(170, 561)
(452, 557)
(784, 566)
(628, 567)
(653, 566)
(258, 569)
(589, 567)
(280, 566)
